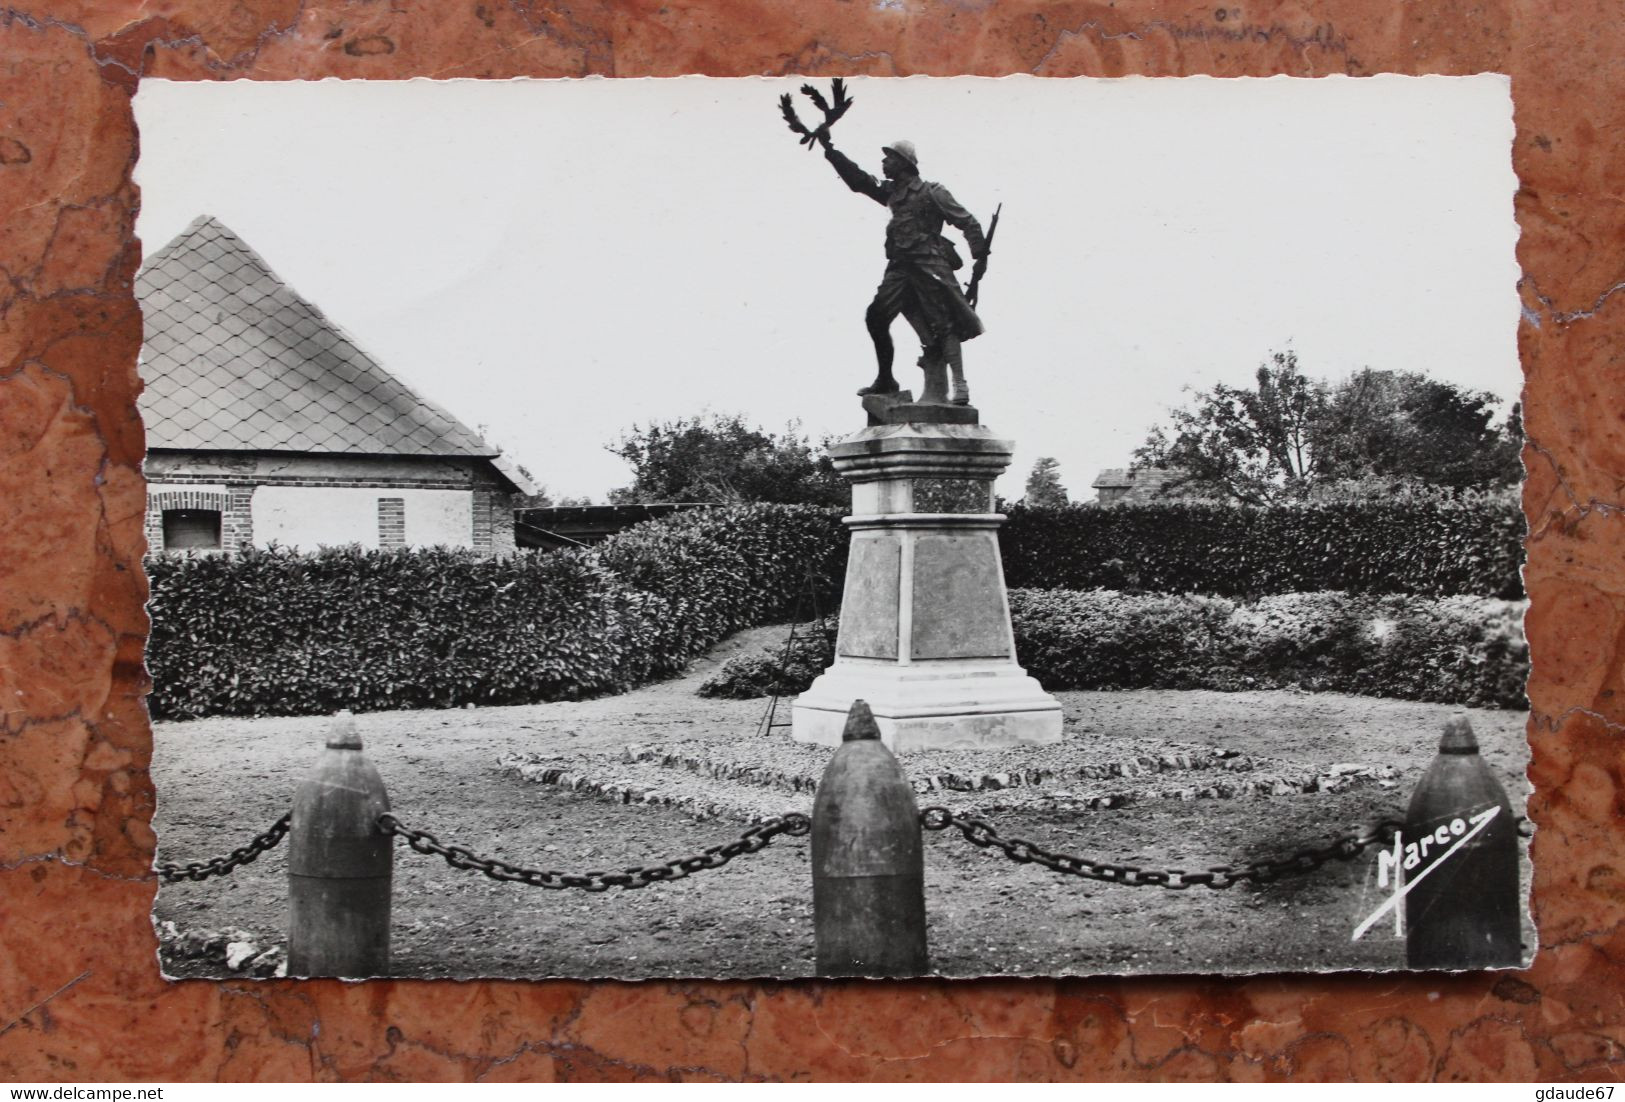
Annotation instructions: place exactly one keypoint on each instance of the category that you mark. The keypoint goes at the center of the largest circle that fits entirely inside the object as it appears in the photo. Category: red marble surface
(80, 996)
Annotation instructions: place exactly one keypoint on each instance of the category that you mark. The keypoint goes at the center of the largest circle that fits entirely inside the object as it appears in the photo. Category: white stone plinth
(925, 635)
(976, 705)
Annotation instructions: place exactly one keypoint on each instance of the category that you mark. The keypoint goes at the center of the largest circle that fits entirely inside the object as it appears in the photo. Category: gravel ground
(1185, 779)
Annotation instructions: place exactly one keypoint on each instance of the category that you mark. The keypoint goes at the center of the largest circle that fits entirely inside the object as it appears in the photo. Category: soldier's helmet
(905, 150)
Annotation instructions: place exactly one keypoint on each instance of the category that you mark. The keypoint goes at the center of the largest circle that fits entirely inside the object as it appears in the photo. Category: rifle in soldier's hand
(979, 269)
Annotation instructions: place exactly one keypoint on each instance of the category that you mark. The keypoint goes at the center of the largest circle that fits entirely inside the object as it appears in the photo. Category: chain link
(1216, 877)
(458, 857)
(221, 866)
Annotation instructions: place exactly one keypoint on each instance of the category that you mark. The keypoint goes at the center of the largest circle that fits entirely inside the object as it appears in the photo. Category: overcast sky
(558, 260)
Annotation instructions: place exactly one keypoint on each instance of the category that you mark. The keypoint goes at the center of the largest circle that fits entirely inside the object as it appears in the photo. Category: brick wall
(391, 523)
(493, 522)
(250, 481)
(237, 525)
(233, 503)
(502, 539)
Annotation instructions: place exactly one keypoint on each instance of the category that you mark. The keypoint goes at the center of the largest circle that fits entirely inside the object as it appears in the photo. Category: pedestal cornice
(933, 522)
(922, 451)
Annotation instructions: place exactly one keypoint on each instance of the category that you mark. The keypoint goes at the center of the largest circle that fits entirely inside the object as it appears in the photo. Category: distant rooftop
(1124, 484)
(235, 360)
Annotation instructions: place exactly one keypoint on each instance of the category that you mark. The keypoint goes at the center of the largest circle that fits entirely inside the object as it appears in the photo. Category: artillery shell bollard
(1462, 907)
(868, 860)
(340, 864)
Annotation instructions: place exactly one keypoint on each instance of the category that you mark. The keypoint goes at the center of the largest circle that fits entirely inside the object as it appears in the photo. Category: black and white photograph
(765, 528)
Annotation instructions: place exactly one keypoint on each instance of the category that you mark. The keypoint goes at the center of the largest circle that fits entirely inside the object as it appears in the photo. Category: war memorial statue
(925, 637)
(919, 283)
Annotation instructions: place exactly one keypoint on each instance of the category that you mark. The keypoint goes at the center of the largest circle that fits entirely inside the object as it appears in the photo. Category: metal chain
(976, 831)
(1217, 877)
(220, 866)
(753, 840)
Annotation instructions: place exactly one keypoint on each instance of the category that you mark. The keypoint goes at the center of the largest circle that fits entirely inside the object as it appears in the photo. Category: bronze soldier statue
(920, 264)
(919, 282)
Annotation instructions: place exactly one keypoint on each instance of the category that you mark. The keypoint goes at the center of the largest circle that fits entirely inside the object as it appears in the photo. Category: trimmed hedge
(1428, 548)
(1454, 650)
(786, 670)
(281, 633)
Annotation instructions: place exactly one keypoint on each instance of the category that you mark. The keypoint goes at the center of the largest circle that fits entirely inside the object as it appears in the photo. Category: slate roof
(235, 360)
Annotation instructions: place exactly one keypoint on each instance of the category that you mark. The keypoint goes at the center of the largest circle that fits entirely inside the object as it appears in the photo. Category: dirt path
(219, 780)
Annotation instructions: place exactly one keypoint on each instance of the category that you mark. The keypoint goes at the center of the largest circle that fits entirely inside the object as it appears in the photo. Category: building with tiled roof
(266, 423)
(1132, 485)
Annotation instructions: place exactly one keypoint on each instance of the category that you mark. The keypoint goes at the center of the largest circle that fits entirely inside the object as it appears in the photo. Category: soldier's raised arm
(848, 170)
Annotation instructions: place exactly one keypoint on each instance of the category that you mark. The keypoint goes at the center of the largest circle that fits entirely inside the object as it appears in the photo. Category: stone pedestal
(925, 632)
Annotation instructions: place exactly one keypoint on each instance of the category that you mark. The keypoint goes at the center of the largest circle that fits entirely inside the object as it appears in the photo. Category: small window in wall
(191, 529)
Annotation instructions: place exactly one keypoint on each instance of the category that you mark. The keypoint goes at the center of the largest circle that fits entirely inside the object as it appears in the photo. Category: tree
(1253, 446)
(719, 458)
(1292, 435)
(1044, 489)
(1406, 427)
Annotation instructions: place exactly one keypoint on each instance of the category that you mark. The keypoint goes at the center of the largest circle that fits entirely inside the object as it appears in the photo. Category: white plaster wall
(308, 517)
(437, 517)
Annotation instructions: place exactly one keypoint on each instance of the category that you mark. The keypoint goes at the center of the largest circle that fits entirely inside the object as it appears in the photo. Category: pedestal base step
(931, 707)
